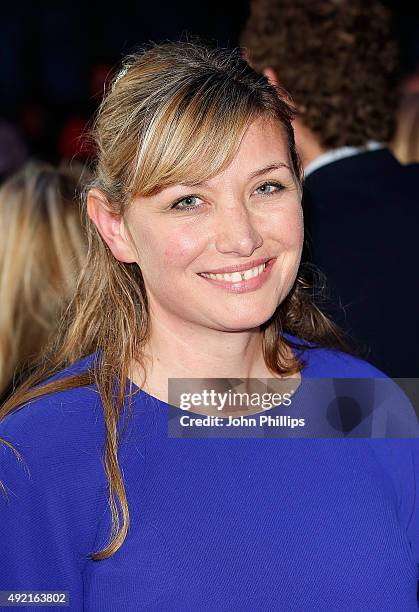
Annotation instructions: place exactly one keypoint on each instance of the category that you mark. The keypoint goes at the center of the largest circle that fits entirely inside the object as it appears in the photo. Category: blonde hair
(405, 144)
(175, 112)
(41, 254)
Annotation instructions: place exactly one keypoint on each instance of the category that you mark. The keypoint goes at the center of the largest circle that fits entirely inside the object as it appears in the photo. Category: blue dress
(217, 523)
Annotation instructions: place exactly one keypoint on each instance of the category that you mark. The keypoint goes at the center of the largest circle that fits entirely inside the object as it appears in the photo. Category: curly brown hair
(337, 58)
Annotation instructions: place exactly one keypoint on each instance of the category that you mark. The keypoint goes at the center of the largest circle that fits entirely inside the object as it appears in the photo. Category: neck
(181, 349)
(185, 349)
(310, 153)
(309, 147)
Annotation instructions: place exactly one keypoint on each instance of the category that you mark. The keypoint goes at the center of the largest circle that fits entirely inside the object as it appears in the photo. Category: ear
(110, 226)
(272, 76)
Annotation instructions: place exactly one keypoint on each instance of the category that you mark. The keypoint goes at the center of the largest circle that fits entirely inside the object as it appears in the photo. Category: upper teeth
(235, 277)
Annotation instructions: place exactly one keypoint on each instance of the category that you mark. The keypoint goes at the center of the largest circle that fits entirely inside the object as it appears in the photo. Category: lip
(238, 267)
(244, 286)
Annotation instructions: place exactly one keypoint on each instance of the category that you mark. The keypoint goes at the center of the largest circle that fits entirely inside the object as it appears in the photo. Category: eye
(269, 188)
(188, 203)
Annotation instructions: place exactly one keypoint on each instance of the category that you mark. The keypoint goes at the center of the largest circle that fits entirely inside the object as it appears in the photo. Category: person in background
(42, 251)
(405, 145)
(13, 150)
(339, 62)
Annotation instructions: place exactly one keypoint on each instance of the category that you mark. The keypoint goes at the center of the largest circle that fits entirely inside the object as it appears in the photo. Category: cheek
(288, 229)
(297, 230)
(181, 249)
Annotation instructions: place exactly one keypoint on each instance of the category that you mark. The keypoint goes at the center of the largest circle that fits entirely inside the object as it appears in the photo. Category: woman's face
(247, 214)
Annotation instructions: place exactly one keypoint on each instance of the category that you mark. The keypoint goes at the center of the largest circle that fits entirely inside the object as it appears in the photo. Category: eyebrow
(274, 166)
(255, 174)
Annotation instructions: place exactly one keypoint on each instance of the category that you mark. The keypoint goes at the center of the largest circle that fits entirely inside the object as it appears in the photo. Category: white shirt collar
(340, 153)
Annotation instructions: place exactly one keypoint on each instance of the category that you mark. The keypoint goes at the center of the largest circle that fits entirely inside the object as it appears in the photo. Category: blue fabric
(216, 524)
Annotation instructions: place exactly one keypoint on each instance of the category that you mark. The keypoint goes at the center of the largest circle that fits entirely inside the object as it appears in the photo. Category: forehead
(216, 149)
(262, 148)
(264, 143)
(263, 137)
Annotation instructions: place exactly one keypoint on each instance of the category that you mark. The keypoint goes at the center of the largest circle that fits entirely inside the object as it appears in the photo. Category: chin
(244, 321)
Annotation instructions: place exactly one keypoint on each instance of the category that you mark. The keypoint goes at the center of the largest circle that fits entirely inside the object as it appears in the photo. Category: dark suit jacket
(362, 229)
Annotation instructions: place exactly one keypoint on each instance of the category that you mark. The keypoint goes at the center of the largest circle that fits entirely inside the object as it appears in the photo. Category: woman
(41, 254)
(196, 172)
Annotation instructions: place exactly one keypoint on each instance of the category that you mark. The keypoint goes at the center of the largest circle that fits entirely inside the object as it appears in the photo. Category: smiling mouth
(235, 277)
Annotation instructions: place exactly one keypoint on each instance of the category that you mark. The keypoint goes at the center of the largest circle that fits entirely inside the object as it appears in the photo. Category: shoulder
(363, 163)
(58, 484)
(386, 405)
(339, 176)
(336, 364)
(58, 419)
(60, 439)
(327, 363)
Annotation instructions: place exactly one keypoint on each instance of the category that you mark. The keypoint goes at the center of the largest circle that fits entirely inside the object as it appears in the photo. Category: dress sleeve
(51, 502)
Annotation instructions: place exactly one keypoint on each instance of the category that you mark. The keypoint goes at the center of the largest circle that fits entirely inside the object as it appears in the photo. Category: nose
(236, 231)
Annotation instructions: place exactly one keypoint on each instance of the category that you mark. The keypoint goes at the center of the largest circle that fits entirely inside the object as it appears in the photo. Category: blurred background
(56, 57)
